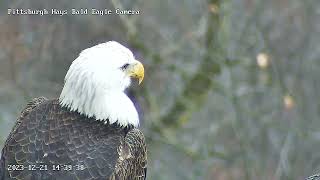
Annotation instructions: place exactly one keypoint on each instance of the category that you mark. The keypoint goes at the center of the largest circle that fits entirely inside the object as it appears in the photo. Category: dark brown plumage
(50, 142)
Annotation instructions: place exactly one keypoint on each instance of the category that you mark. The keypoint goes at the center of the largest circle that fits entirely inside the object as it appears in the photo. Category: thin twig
(125, 19)
(283, 159)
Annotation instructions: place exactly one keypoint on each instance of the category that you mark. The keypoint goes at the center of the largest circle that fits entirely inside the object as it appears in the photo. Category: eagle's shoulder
(132, 160)
(30, 106)
(35, 102)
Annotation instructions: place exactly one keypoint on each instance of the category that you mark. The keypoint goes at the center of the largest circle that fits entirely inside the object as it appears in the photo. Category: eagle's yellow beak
(136, 70)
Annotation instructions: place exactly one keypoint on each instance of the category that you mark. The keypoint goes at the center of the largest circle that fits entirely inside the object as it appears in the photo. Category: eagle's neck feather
(100, 103)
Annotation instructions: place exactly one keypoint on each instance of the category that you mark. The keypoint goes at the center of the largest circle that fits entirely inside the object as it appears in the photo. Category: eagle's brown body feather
(50, 137)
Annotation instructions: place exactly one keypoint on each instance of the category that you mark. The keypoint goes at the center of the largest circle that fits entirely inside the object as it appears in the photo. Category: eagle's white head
(96, 80)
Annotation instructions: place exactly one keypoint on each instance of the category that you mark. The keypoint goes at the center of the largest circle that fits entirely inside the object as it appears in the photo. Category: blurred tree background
(231, 88)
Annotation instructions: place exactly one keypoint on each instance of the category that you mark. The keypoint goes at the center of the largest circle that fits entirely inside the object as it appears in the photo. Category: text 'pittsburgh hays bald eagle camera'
(89, 132)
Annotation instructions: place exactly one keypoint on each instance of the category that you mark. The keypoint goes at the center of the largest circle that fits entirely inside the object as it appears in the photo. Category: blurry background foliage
(231, 89)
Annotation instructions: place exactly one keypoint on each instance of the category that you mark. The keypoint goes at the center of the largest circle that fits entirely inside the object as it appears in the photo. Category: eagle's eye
(124, 66)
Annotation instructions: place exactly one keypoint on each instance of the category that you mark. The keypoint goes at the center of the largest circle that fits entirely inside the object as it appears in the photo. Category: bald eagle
(89, 132)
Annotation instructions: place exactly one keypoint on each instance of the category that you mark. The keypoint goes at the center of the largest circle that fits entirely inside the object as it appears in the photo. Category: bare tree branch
(195, 90)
